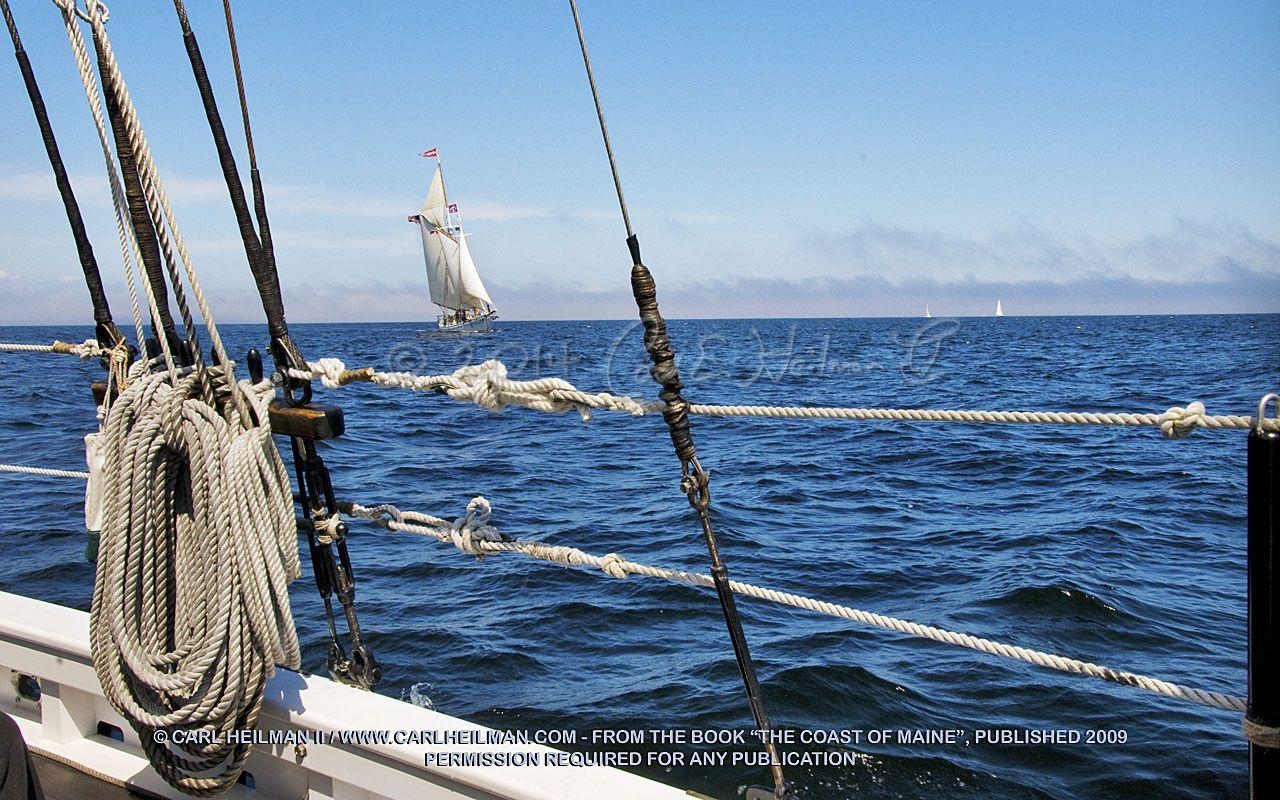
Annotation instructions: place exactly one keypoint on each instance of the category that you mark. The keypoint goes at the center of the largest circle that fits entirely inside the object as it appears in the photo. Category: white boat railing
(73, 723)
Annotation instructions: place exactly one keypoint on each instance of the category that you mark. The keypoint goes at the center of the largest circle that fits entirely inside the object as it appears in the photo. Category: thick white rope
(487, 386)
(87, 349)
(198, 545)
(1175, 423)
(472, 534)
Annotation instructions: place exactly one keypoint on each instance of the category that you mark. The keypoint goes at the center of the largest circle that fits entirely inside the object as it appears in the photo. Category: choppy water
(1116, 546)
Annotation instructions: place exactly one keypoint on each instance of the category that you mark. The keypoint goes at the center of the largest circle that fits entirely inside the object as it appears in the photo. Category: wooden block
(312, 421)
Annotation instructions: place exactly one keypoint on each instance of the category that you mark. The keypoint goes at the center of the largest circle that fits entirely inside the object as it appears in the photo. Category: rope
(199, 543)
(84, 249)
(614, 565)
(130, 252)
(1175, 423)
(486, 385)
(50, 473)
(473, 535)
(87, 349)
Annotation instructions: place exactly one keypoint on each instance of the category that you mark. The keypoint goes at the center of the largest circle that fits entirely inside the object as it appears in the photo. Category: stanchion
(1262, 722)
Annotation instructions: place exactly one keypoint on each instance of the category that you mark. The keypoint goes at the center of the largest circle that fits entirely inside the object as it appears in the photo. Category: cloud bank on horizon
(885, 161)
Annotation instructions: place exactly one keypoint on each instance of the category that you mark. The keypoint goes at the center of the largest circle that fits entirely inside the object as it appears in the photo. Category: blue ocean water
(1116, 546)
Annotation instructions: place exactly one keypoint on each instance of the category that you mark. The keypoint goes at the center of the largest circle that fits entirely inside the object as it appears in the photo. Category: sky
(798, 159)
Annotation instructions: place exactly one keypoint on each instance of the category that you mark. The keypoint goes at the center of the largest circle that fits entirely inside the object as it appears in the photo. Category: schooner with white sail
(452, 278)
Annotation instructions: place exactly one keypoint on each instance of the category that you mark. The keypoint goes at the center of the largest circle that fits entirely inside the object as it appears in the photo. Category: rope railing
(48, 473)
(87, 349)
(488, 386)
(472, 534)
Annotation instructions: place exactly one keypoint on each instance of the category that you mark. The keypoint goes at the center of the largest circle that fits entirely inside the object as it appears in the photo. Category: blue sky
(825, 159)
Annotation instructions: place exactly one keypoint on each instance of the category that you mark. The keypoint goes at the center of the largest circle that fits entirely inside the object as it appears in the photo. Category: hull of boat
(482, 324)
(335, 757)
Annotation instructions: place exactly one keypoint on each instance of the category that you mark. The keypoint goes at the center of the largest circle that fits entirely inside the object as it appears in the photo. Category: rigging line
(604, 130)
(130, 255)
(695, 481)
(264, 271)
(131, 246)
(315, 486)
(139, 177)
(255, 178)
(473, 535)
(167, 230)
(108, 334)
(143, 223)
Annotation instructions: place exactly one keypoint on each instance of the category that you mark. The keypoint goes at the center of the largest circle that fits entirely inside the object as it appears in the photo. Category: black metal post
(1263, 717)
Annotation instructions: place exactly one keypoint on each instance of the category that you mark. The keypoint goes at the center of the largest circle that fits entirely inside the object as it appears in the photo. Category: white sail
(471, 288)
(433, 241)
(435, 208)
(999, 309)
(927, 315)
(441, 252)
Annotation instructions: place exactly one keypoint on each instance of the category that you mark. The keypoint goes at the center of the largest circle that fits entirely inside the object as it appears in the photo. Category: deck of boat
(60, 782)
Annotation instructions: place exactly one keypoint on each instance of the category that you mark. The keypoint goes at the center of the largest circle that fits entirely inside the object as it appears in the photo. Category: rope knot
(382, 514)
(614, 566)
(1177, 423)
(481, 384)
(467, 533)
(329, 369)
(327, 530)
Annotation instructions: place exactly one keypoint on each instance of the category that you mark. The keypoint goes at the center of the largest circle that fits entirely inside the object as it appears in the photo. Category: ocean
(1112, 545)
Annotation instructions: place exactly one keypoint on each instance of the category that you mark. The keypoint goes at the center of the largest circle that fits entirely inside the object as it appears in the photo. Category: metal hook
(1262, 409)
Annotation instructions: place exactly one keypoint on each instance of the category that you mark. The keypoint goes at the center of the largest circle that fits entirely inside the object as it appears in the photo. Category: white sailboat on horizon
(927, 315)
(452, 278)
(999, 309)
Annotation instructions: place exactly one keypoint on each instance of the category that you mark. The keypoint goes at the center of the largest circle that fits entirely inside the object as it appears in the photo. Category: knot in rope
(488, 386)
(481, 384)
(614, 565)
(382, 514)
(85, 350)
(468, 532)
(327, 530)
(332, 373)
(1178, 423)
(91, 6)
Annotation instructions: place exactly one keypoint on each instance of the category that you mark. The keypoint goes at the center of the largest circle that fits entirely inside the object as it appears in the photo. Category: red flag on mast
(429, 153)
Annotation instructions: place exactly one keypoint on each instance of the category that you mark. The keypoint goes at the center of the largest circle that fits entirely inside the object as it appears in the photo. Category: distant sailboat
(927, 315)
(999, 309)
(452, 278)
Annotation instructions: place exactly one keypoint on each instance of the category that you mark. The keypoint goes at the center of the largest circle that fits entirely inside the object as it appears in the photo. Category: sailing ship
(999, 309)
(927, 315)
(452, 278)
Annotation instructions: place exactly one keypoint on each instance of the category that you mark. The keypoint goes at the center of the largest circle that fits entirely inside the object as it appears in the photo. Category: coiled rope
(198, 545)
(474, 535)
